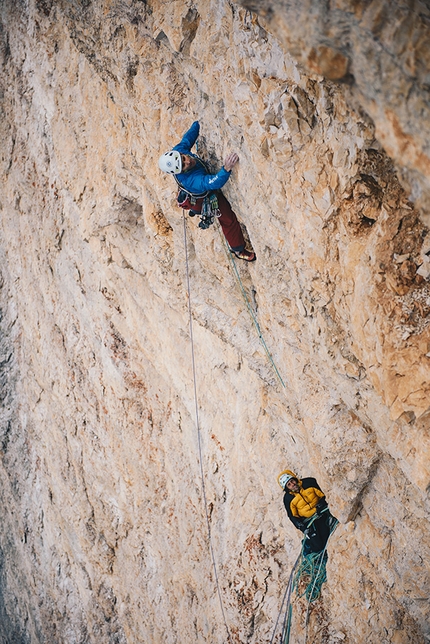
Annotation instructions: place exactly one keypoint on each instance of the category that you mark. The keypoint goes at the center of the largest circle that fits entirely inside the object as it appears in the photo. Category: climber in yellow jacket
(303, 499)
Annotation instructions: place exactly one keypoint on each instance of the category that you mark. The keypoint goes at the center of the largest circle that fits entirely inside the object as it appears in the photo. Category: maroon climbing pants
(228, 222)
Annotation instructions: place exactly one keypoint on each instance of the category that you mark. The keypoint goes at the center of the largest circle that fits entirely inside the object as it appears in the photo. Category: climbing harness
(199, 439)
(186, 200)
(205, 204)
(209, 211)
(311, 569)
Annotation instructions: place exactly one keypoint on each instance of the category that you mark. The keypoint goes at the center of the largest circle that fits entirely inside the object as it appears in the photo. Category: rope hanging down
(312, 567)
(199, 439)
(287, 597)
(249, 307)
(236, 272)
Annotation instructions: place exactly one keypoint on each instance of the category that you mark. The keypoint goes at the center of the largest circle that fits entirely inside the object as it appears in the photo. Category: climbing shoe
(247, 255)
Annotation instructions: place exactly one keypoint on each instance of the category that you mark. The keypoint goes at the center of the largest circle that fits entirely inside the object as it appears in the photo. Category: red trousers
(228, 222)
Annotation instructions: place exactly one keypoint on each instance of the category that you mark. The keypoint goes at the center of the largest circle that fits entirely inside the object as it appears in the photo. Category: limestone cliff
(104, 535)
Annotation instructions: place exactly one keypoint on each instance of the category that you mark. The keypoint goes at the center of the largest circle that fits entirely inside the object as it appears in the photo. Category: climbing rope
(229, 254)
(287, 597)
(319, 579)
(312, 565)
(309, 562)
(199, 439)
(230, 257)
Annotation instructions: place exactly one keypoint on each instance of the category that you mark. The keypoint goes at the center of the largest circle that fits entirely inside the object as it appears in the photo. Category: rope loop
(312, 565)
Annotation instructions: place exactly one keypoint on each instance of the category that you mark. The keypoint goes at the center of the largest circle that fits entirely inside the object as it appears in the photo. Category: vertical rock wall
(104, 533)
(381, 51)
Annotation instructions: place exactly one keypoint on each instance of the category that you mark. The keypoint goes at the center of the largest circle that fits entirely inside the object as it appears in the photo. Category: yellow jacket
(302, 504)
(305, 501)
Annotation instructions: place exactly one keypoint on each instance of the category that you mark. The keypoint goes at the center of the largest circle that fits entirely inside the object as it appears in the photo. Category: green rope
(287, 631)
(230, 256)
(312, 567)
(287, 598)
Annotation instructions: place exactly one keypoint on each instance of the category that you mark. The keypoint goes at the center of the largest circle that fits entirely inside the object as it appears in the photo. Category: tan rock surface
(104, 534)
(380, 51)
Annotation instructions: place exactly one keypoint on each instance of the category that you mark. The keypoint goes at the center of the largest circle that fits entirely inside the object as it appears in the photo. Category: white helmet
(170, 162)
(284, 477)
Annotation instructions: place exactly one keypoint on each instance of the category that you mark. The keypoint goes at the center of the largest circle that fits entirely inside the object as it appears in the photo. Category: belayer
(200, 190)
(307, 508)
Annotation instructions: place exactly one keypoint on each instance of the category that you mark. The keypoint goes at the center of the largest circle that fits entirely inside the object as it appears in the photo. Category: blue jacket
(198, 180)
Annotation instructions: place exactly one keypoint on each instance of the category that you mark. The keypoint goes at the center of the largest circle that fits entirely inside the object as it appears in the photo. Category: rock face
(104, 533)
(381, 50)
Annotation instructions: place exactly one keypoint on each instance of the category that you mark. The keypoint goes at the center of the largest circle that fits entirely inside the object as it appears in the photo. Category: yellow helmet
(284, 477)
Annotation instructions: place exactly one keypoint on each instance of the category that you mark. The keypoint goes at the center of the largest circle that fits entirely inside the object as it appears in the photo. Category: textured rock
(104, 535)
(381, 51)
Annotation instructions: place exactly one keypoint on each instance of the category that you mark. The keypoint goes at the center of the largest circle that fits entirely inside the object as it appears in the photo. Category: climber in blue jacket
(193, 176)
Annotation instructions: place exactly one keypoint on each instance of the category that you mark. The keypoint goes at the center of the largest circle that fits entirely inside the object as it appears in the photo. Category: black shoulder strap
(198, 195)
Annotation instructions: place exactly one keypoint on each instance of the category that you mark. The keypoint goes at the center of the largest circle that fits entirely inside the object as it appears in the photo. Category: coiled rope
(314, 566)
(199, 439)
(319, 579)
